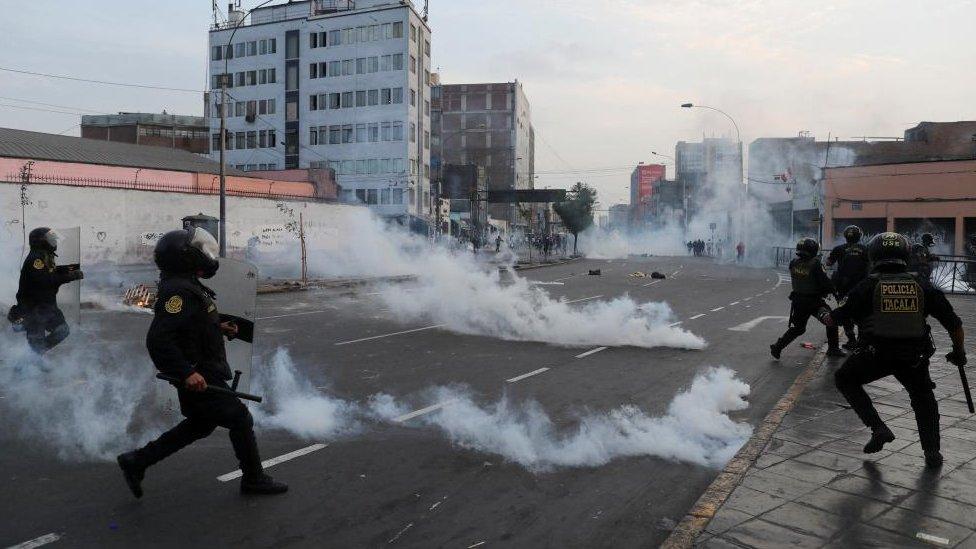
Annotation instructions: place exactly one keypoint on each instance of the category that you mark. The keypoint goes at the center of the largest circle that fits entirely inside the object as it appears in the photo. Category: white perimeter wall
(121, 226)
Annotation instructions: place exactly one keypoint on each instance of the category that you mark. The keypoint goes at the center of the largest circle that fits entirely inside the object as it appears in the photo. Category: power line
(103, 82)
(26, 108)
(49, 104)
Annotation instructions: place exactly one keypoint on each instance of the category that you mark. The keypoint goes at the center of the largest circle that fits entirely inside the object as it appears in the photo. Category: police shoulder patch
(174, 304)
(38, 264)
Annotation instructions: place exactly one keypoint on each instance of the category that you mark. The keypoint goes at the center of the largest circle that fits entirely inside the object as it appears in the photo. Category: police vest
(209, 341)
(898, 308)
(854, 263)
(801, 274)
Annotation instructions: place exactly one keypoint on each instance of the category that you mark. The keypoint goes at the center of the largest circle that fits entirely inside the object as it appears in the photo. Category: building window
(413, 98)
(323, 39)
(397, 197)
(291, 77)
(335, 68)
(252, 140)
(374, 132)
(313, 102)
(426, 140)
(313, 70)
(271, 76)
(361, 195)
(361, 65)
(239, 107)
(427, 77)
(372, 97)
(291, 45)
(239, 79)
(426, 107)
(374, 64)
(347, 134)
(347, 100)
(313, 135)
(385, 96)
(347, 67)
(272, 45)
(397, 131)
(413, 32)
(262, 139)
(313, 40)
(239, 50)
(252, 48)
(427, 48)
(361, 98)
(215, 142)
(384, 196)
(335, 135)
(335, 38)
(397, 95)
(413, 64)
(263, 47)
(239, 140)
(398, 29)
(271, 106)
(217, 53)
(413, 132)
(334, 101)
(372, 196)
(385, 131)
(361, 133)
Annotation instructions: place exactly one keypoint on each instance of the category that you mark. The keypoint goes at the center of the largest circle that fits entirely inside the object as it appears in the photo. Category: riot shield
(236, 286)
(69, 253)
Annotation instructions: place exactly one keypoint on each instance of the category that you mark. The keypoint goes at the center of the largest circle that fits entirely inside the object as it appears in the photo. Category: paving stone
(915, 477)
(761, 534)
(767, 459)
(832, 461)
(804, 435)
(872, 488)
(786, 448)
(909, 523)
(803, 471)
(808, 520)
(720, 543)
(778, 485)
(941, 508)
(954, 408)
(968, 543)
(957, 432)
(854, 449)
(957, 491)
(751, 501)
(726, 518)
(843, 504)
(866, 536)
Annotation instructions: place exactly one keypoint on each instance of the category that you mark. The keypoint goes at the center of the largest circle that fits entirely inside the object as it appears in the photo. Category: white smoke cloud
(696, 428)
(293, 404)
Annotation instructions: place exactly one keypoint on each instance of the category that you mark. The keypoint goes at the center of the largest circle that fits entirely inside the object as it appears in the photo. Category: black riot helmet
(807, 248)
(927, 240)
(853, 234)
(43, 238)
(187, 251)
(889, 249)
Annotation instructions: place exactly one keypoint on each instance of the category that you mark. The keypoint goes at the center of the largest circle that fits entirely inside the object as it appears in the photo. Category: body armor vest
(209, 342)
(898, 308)
(801, 274)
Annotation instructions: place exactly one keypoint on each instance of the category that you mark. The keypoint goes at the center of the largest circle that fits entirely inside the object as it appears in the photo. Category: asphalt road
(403, 485)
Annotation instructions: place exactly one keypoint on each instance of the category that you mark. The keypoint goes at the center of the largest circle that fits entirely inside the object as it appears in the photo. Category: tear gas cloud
(466, 296)
(695, 429)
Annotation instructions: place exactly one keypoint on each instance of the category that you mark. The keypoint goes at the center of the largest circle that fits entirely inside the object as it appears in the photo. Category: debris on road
(595, 272)
(808, 345)
(658, 275)
(637, 274)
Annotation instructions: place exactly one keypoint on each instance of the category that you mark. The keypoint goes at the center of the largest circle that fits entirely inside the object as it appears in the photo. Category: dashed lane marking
(697, 316)
(583, 299)
(389, 335)
(746, 299)
(716, 309)
(590, 352)
(37, 542)
(422, 411)
(651, 283)
(673, 324)
(733, 303)
(275, 461)
(746, 326)
(528, 375)
(291, 314)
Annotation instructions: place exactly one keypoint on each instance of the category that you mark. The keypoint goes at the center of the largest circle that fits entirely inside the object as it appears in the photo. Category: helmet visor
(52, 238)
(205, 242)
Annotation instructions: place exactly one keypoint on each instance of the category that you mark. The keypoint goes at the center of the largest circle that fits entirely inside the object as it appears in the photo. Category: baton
(965, 389)
(219, 390)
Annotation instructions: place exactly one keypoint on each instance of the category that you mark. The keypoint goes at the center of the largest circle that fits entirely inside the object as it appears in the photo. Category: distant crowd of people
(701, 248)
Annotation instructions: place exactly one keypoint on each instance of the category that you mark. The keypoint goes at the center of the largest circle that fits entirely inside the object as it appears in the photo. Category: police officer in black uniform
(922, 257)
(810, 286)
(852, 263)
(890, 306)
(37, 296)
(186, 341)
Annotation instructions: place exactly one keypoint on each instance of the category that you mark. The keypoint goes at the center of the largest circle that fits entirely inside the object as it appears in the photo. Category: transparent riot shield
(69, 255)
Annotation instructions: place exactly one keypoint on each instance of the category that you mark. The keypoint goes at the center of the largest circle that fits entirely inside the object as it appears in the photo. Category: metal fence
(782, 256)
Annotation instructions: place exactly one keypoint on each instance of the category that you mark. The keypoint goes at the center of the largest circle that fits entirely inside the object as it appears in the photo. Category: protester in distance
(851, 259)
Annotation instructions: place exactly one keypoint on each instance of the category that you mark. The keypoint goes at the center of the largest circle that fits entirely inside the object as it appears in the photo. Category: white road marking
(746, 326)
(746, 299)
(716, 309)
(583, 299)
(563, 278)
(590, 352)
(37, 542)
(275, 461)
(733, 303)
(651, 283)
(697, 316)
(479, 544)
(524, 376)
(758, 295)
(673, 324)
(400, 533)
(422, 411)
(542, 283)
(389, 335)
(932, 539)
(291, 314)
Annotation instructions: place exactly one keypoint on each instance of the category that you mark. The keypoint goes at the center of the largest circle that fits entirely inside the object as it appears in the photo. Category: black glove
(77, 275)
(957, 357)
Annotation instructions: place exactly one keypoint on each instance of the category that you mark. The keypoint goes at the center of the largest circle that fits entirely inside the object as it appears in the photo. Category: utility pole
(223, 165)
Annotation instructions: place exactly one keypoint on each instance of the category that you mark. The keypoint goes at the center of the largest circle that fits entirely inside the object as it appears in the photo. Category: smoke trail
(696, 428)
(293, 404)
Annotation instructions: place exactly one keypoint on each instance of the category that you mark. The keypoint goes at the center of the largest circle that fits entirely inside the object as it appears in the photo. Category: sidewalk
(810, 485)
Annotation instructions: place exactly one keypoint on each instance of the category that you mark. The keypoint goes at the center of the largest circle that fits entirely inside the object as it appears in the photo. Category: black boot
(775, 350)
(133, 470)
(879, 437)
(262, 484)
(835, 352)
(933, 459)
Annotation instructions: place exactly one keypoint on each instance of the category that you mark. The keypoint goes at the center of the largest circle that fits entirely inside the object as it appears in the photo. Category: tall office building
(341, 84)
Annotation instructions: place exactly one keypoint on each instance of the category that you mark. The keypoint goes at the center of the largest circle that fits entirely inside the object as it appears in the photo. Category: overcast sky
(604, 78)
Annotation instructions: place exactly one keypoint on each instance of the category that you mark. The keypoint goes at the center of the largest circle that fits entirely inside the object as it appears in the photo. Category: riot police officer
(37, 305)
(851, 259)
(186, 341)
(810, 287)
(890, 306)
(922, 257)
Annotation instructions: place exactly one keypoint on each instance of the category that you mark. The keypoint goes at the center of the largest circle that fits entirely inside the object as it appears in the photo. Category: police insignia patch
(174, 304)
(38, 264)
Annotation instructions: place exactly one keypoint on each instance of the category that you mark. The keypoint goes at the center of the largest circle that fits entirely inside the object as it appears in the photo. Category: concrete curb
(296, 286)
(694, 523)
(541, 265)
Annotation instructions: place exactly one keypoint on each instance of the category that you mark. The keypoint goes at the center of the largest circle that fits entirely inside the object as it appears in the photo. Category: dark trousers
(45, 327)
(204, 412)
(865, 366)
(803, 308)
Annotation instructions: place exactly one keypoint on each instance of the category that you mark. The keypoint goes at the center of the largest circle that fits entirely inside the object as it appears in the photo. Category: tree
(577, 211)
